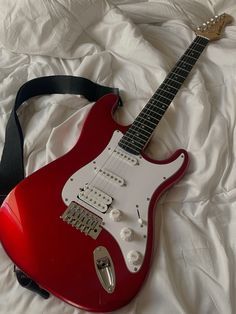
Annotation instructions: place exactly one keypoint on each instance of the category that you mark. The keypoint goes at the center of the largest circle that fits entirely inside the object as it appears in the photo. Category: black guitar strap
(12, 164)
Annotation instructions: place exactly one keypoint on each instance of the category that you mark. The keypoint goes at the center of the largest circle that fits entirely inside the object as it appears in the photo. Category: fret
(192, 61)
(138, 140)
(142, 127)
(154, 103)
(144, 121)
(148, 123)
(175, 79)
(143, 137)
(165, 91)
(195, 51)
(131, 145)
(204, 46)
(138, 130)
(166, 99)
(137, 136)
(159, 99)
(175, 73)
(188, 56)
(154, 110)
(128, 148)
(174, 83)
(186, 65)
(168, 88)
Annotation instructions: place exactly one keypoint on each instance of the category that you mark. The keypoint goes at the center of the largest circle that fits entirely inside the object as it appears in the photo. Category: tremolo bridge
(82, 219)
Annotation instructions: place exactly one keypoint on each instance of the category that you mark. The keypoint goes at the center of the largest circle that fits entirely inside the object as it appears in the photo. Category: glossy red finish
(58, 257)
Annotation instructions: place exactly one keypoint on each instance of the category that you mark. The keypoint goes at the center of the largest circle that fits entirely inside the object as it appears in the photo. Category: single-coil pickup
(125, 157)
(95, 198)
(113, 178)
(82, 219)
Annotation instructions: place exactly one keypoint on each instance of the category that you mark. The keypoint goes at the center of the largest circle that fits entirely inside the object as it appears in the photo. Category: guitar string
(193, 45)
(117, 164)
(154, 100)
(162, 94)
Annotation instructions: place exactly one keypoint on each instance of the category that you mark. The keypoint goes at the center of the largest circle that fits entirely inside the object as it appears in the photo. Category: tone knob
(134, 258)
(115, 214)
(126, 234)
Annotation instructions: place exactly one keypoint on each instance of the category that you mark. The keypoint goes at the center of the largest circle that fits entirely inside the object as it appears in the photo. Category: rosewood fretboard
(139, 133)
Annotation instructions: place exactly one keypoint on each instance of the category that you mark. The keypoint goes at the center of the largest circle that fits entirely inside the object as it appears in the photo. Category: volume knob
(126, 234)
(134, 257)
(115, 214)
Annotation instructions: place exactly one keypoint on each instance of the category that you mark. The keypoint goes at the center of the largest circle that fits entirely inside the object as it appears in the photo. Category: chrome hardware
(104, 268)
(82, 219)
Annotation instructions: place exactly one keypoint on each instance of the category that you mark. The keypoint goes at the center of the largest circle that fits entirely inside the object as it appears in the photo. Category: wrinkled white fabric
(133, 45)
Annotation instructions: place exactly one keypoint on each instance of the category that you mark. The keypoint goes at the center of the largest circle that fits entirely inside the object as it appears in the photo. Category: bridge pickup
(83, 220)
(95, 198)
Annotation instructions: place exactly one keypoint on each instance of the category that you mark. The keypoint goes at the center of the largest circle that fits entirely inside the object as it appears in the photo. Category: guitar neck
(139, 133)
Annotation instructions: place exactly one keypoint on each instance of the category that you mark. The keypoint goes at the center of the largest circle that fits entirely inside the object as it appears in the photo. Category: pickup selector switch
(126, 234)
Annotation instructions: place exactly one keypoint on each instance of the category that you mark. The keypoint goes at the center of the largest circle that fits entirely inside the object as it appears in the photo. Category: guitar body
(82, 226)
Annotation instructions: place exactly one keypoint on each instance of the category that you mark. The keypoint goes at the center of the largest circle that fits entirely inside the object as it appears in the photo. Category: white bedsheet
(133, 45)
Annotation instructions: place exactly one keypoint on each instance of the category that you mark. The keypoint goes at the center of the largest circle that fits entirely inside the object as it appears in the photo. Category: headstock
(212, 29)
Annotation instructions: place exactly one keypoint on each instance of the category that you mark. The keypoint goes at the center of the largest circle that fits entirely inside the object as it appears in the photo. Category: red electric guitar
(82, 226)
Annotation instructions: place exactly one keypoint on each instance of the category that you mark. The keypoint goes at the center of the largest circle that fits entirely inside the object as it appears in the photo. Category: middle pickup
(111, 177)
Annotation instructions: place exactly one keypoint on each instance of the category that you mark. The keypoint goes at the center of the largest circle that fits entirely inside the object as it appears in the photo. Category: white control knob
(126, 234)
(134, 257)
(115, 214)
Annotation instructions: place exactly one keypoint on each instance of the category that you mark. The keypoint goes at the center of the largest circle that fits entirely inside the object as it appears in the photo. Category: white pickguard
(140, 182)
